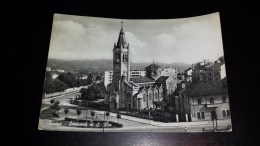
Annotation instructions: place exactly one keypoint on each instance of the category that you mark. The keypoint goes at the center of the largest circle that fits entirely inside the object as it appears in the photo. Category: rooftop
(153, 66)
(162, 78)
(141, 80)
(202, 89)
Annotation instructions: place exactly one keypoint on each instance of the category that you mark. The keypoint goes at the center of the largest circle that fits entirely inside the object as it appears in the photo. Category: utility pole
(213, 124)
(104, 123)
(149, 116)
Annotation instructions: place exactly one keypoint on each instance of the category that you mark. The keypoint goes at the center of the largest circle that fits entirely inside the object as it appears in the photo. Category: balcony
(212, 105)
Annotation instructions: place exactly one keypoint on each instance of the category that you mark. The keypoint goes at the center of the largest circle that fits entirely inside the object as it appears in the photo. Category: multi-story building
(169, 71)
(188, 75)
(60, 70)
(54, 76)
(108, 76)
(48, 68)
(137, 73)
(205, 100)
(209, 72)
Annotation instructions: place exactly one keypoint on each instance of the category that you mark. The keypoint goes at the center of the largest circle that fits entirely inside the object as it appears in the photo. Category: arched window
(224, 113)
(224, 99)
(155, 96)
(150, 96)
(160, 94)
(211, 100)
(144, 97)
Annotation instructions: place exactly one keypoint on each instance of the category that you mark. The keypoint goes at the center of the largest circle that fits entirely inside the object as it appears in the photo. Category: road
(129, 124)
(64, 99)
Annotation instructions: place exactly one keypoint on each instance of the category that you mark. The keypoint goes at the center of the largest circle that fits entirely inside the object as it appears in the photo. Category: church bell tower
(121, 61)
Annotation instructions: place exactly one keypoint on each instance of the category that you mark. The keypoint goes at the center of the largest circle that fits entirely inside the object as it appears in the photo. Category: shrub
(121, 109)
(55, 114)
(115, 124)
(75, 120)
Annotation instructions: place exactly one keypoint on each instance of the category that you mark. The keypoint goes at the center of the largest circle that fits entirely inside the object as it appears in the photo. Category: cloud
(83, 42)
(182, 40)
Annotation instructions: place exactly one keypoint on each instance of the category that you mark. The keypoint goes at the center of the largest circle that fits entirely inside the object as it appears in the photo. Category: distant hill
(101, 65)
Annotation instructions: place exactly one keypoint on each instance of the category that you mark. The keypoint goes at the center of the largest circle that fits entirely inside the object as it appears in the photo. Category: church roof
(162, 78)
(132, 84)
(202, 89)
(121, 39)
(153, 66)
(141, 80)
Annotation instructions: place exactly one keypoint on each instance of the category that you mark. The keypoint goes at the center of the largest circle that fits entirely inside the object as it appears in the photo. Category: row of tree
(92, 113)
(64, 81)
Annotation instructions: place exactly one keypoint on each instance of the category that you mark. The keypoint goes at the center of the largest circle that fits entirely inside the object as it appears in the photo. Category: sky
(186, 40)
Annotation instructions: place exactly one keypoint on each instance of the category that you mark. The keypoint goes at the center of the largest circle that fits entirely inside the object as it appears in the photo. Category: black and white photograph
(136, 75)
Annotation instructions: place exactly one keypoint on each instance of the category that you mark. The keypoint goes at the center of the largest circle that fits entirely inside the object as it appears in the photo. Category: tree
(78, 113)
(69, 79)
(51, 86)
(92, 115)
(52, 101)
(66, 111)
(48, 75)
(56, 108)
(89, 79)
(87, 94)
(93, 92)
(118, 117)
(107, 114)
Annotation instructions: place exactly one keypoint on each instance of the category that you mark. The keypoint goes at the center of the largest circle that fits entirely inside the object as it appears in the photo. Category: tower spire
(121, 39)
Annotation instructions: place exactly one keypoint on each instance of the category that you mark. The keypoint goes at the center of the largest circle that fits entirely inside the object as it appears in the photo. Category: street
(130, 124)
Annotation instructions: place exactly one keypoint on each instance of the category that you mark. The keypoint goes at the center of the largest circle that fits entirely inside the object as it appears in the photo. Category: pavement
(173, 124)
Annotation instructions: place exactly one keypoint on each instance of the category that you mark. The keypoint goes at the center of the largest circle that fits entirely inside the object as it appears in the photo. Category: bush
(76, 120)
(54, 114)
(121, 109)
(115, 124)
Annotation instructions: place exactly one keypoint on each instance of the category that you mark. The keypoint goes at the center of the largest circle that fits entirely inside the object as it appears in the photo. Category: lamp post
(149, 116)
(104, 122)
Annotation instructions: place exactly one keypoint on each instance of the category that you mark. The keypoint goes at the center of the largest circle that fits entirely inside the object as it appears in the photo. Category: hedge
(114, 124)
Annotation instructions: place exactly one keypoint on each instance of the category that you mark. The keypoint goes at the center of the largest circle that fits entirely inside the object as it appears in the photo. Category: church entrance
(128, 101)
(129, 106)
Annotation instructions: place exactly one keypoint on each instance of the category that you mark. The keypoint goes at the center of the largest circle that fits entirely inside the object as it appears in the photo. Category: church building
(136, 93)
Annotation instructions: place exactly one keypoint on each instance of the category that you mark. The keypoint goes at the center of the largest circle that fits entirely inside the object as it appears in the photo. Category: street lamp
(149, 117)
(104, 122)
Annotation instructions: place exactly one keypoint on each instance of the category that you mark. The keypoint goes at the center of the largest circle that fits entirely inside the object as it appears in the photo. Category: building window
(228, 113)
(144, 97)
(202, 115)
(224, 99)
(160, 95)
(199, 101)
(150, 96)
(211, 100)
(224, 113)
(155, 96)
(198, 114)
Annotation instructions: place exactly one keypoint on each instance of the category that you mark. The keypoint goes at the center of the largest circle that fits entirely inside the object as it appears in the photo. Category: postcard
(135, 75)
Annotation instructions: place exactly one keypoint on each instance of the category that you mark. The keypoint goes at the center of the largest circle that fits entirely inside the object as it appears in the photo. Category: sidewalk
(173, 124)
